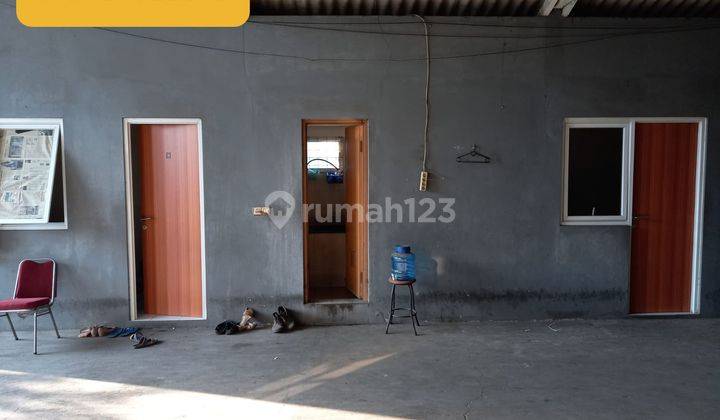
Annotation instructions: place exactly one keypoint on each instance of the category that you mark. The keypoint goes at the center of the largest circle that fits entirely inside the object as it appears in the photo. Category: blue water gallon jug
(403, 263)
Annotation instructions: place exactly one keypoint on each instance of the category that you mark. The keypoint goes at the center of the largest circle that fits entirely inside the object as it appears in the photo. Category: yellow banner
(133, 13)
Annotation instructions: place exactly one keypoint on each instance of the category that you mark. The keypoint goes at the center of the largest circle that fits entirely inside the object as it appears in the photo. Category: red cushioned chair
(34, 293)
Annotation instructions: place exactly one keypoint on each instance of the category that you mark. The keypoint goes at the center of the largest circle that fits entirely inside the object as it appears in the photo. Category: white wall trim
(127, 123)
(699, 211)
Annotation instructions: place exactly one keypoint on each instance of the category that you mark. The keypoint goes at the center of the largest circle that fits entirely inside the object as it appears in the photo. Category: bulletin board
(28, 155)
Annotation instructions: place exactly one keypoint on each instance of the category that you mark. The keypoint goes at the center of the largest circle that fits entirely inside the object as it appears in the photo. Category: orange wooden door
(356, 226)
(170, 218)
(663, 217)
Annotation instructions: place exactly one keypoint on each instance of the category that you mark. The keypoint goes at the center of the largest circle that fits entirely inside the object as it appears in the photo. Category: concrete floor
(636, 368)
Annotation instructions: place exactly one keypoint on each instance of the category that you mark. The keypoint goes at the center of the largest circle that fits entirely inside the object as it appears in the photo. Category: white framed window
(32, 174)
(597, 171)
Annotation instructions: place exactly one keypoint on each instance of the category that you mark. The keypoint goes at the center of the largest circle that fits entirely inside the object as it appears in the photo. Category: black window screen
(595, 171)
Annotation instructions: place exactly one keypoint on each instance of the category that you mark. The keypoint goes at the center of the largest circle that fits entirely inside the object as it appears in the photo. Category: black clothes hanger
(473, 156)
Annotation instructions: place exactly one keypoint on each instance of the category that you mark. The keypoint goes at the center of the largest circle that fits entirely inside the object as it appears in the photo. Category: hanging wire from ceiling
(427, 92)
(380, 59)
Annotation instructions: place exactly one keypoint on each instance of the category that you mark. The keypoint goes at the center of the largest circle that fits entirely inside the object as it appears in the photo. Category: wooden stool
(412, 312)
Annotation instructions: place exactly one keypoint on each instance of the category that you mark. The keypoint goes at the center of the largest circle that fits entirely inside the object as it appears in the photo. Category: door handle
(143, 220)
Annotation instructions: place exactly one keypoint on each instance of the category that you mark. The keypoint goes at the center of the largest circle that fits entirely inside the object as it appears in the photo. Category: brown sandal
(146, 342)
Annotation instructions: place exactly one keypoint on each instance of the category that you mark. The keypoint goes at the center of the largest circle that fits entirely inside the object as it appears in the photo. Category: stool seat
(401, 282)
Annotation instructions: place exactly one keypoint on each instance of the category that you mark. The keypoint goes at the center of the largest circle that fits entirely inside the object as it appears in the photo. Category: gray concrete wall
(505, 256)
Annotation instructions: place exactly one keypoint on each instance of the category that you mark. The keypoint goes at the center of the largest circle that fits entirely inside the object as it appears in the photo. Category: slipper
(84, 333)
(136, 338)
(146, 342)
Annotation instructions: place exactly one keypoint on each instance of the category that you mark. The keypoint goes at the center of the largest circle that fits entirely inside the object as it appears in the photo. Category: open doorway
(335, 194)
(163, 169)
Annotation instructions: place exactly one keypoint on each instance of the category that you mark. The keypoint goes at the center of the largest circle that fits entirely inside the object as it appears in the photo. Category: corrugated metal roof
(621, 8)
(648, 8)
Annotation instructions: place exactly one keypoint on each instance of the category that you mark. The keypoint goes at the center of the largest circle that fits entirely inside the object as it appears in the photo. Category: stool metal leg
(392, 309)
(413, 312)
(412, 308)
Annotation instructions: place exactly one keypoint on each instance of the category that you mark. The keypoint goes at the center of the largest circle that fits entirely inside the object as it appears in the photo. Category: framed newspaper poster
(28, 155)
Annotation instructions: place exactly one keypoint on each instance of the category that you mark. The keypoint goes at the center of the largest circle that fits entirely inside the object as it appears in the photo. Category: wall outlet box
(260, 211)
(423, 180)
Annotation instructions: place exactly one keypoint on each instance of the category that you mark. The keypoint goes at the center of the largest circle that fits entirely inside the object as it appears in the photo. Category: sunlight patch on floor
(311, 378)
(27, 395)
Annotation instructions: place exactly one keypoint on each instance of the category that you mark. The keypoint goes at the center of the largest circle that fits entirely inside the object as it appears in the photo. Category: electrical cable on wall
(312, 26)
(441, 57)
(641, 31)
(423, 171)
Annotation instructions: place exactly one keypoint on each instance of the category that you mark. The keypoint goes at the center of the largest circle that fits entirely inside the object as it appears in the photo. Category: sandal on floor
(146, 342)
(136, 338)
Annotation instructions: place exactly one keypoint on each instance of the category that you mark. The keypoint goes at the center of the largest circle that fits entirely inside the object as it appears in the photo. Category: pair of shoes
(283, 321)
(140, 341)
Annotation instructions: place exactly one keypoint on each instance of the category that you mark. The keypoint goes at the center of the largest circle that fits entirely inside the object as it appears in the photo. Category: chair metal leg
(12, 327)
(35, 332)
(392, 309)
(52, 317)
